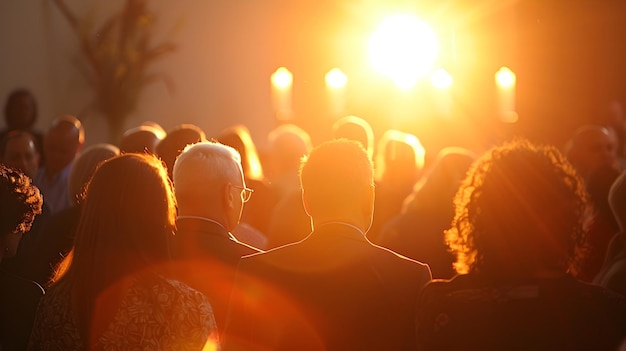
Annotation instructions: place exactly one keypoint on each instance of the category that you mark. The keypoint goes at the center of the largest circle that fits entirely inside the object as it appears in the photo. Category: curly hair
(20, 201)
(522, 207)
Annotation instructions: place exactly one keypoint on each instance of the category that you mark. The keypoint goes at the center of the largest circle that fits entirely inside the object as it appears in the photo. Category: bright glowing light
(441, 79)
(404, 49)
(505, 78)
(282, 78)
(335, 78)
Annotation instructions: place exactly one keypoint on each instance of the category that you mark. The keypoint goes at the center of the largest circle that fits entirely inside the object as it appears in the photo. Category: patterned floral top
(154, 314)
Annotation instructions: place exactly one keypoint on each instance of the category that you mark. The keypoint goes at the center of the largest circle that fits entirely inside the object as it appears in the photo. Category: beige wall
(220, 73)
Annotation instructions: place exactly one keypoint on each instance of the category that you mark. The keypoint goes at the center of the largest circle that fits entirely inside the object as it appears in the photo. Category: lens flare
(404, 49)
(441, 79)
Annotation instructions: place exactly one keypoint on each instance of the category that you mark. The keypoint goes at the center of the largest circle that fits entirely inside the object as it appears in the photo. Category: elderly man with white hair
(211, 191)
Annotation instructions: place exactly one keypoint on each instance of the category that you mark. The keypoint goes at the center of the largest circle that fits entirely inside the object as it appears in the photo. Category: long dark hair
(127, 218)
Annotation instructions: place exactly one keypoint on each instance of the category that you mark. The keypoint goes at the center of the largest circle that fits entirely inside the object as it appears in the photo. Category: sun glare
(404, 49)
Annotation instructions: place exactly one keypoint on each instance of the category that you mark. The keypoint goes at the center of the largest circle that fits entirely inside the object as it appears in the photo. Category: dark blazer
(334, 290)
(206, 257)
(19, 298)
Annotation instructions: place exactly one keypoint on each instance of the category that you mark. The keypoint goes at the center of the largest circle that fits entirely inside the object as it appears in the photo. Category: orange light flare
(441, 79)
(404, 49)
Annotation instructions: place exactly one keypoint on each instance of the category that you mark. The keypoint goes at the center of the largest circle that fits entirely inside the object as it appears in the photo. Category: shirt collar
(344, 224)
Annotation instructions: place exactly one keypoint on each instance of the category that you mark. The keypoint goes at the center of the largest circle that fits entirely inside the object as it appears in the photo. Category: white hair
(203, 168)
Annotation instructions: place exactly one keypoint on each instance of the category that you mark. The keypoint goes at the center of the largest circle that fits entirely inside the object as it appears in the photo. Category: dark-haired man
(334, 290)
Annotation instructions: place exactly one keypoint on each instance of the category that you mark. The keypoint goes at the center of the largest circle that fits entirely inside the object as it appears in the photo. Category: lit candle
(282, 80)
(441, 80)
(336, 82)
(506, 81)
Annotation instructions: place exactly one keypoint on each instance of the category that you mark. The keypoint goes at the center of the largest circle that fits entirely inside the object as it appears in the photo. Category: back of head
(141, 139)
(200, 173)
(20, 201)
(175, 142)
(125, 228)
(617, 200)
(590, 147)
(20, 110)
(400, 158)
(442, 180)
(520, 210)
(355, 128)
(85, 165)
(127, 219)
(288, 143)
(335, 176)
(239, 138)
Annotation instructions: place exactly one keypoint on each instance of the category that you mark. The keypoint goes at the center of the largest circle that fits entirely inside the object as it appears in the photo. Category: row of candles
(337, 80)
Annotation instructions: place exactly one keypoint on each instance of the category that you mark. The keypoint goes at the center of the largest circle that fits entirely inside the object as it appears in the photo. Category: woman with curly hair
(518, 235)
(112, 292)
(20, 202)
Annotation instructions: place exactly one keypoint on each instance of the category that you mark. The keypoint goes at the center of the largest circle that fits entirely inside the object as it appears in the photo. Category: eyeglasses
(246, 193)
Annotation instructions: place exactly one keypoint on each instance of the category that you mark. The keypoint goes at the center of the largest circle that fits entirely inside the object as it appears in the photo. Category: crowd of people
(179, 240)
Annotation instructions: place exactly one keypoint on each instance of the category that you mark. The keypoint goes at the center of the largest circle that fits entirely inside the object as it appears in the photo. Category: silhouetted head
(20, 202)
(288, 143)
(355, 128)
(591, 147)
(20, 110)
(209, 183)
(399, 159)
(141, 139)
(18, 151)
(85, 165)
(438, 186)
(175, 142)
(62, 142)
(238, 137)
(519, 213)
(338, 184)
(126, 223)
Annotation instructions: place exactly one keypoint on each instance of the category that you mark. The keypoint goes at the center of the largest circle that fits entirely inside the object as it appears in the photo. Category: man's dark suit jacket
(334, 290)
(206, 257)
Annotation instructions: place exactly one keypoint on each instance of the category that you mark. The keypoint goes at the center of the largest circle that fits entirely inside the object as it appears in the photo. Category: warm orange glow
(505, 78)
(282, 78)
(336, 79)
(404, 49)
(211, 345)
(441, 79)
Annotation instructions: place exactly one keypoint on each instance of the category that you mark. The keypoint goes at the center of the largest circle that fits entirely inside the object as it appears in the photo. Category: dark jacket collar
(204, 225)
